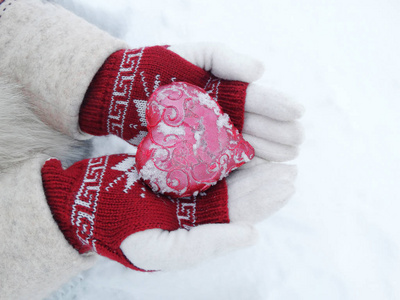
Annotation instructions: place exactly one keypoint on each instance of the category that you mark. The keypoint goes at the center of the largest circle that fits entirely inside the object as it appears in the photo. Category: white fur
(22, 134)
(54, 54)
(35, 258)
(30, 240)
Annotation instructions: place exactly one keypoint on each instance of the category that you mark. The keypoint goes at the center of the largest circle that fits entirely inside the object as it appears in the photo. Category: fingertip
(301, 135)
(53, 163)
(269, 102)
(259, 69)
(231, 65)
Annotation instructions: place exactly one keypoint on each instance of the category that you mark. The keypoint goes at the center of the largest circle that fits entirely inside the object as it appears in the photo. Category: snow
(170, 130)
(156, 178)
(339, 236)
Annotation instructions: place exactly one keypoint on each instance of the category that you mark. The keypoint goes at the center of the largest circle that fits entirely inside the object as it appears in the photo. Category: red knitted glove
(98, 202)
(115, 102)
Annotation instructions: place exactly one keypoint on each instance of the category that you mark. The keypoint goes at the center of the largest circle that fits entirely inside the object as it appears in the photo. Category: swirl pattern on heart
(191, 143)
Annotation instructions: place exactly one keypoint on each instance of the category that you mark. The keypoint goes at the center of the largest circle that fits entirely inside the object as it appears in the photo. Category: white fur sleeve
(54, 55)
(35, 257)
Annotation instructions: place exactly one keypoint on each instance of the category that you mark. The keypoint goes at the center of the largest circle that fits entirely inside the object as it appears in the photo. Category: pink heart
(191, 143)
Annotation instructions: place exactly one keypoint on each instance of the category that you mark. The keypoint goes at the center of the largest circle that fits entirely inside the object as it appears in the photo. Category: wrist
(60, 188)
(93, 112)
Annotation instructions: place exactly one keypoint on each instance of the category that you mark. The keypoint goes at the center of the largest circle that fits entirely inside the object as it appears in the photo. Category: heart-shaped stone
(191, 143)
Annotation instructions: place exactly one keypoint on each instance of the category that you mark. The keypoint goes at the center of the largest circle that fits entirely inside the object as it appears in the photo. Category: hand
(255, 191)
(100, 206)
(116, 100)
(270, 118)
(268, 121)
(99, 202)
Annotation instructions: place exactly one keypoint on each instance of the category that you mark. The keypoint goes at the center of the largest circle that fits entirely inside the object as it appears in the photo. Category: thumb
(221, 61)
(52, 166)
(157, 249)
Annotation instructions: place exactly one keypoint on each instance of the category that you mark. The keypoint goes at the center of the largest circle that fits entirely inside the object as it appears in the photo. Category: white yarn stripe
(215, 83)
(122, 91)
(137, 139)
(141, 106)
(85, 205)
(186, 213)
(156, 82)
(217, 90)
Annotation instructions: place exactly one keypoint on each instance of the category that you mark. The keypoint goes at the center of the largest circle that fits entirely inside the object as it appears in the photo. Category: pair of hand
(254, 191)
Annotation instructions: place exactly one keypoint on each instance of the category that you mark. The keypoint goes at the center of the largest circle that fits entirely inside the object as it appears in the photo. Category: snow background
(339, 236)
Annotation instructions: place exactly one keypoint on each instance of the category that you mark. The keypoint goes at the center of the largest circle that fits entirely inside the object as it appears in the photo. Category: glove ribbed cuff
(95, 107)
(59, 187)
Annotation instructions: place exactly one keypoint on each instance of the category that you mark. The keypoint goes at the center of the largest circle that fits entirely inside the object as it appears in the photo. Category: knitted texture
(115, 102)
(99, 202)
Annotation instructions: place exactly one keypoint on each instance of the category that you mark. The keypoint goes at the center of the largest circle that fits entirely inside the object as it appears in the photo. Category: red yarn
(115, 101)
(99, 202)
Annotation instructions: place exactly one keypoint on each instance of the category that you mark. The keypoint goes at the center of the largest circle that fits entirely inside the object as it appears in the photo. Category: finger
(257, 192)
(264, 101)
(257, 171)
(287, 133)
(157, 249)
(254, 162)
(271, 151)
(252, 205)
(52, 165)
(221, 61)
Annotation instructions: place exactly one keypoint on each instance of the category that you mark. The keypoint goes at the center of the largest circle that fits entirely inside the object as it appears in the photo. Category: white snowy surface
(339, 236)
